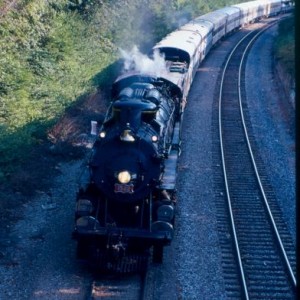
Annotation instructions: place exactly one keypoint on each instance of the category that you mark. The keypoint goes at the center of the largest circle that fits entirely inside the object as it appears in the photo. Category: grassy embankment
(285, 45)
(54, 53)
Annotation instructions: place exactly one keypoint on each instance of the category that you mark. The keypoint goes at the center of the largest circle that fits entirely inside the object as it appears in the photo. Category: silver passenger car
(204, 29)
(218, 20)
(250, 11)
(181, 51)
(272, 7)
(233, 18)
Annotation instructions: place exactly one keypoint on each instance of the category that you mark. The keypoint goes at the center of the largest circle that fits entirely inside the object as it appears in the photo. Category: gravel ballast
(273, 123)
(37, 259)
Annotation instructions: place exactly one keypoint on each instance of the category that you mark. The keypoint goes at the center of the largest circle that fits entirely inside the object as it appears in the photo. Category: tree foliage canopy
(56, 51)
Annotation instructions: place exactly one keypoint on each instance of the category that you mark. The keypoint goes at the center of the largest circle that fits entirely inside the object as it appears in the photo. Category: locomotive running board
(176, 141)
(169, 176)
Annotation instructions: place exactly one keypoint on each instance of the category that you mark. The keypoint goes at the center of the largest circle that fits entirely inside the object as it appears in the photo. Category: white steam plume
(135, 60)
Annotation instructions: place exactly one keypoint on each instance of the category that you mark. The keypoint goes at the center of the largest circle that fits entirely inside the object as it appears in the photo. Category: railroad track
(263, 266)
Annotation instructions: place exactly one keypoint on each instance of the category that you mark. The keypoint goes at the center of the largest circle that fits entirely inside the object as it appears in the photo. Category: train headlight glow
(102, 134)
(124, 177)
(154, 138)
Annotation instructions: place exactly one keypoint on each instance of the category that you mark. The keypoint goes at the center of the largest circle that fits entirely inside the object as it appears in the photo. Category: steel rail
(291, 273)
(244, 284)
(242, 274)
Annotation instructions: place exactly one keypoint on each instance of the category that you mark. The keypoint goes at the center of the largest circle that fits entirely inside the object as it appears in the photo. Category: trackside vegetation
(54, 53)
(285, 45)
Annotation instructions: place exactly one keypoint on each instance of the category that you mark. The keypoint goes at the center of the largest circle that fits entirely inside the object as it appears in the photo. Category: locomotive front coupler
(118, 244)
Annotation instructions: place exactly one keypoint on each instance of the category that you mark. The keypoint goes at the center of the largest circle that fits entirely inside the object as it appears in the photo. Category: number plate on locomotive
(124, 188)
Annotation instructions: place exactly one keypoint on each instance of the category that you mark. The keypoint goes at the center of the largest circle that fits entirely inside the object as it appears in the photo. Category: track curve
(265, 253)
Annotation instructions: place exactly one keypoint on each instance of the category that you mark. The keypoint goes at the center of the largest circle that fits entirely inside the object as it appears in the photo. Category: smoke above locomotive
(134, 60)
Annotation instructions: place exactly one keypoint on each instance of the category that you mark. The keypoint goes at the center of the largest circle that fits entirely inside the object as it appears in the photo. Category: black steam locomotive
(126, 203)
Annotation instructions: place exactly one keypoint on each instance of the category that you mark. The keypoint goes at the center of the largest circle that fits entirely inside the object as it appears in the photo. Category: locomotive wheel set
(126, 202)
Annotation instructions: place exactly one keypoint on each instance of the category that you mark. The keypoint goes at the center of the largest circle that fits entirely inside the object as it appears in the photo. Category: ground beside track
(37, 257)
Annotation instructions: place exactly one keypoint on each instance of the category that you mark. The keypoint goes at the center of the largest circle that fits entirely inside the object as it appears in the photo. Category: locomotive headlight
(124, 177)
(154, 138)
(102, 134)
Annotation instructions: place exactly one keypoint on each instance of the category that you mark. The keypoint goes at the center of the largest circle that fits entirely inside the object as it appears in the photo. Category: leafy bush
(285, 45)
(47, 61)
(55, 52)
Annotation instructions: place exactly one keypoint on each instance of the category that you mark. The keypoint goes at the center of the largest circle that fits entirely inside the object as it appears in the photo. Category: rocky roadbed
(39, 258)
(37, 254)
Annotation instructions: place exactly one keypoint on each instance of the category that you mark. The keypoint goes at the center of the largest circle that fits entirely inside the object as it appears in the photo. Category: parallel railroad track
(264, 264)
